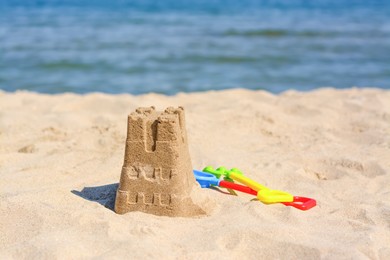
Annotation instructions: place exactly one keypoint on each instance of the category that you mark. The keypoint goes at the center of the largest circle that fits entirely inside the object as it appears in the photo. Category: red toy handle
(238, 187)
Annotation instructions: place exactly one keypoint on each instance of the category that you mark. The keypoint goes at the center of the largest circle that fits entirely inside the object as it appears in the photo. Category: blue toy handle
(206, 179)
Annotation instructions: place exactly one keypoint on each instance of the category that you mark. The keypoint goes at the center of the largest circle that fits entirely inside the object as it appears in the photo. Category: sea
(171, 46)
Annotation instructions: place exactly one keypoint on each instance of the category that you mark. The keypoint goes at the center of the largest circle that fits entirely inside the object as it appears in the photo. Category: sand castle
(157, 175)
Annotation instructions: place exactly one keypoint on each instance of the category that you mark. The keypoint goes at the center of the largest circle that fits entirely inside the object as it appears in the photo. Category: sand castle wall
(157, 173)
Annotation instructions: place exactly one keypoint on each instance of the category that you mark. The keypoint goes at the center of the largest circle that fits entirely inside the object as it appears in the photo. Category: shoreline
(323, 88)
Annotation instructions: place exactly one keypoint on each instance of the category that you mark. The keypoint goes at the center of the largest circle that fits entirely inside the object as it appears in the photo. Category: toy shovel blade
(302, 203)
(206, 179)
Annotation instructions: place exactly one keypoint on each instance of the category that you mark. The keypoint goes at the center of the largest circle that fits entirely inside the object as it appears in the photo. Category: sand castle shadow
(104, 195)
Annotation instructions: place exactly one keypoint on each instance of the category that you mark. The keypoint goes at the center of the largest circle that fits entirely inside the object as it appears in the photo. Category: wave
(275, 33)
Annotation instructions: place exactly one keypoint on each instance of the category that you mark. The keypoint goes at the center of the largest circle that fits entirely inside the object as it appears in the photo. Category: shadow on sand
(104, 195)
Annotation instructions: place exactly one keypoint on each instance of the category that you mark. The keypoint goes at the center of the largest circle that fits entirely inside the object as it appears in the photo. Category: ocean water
(173, 46)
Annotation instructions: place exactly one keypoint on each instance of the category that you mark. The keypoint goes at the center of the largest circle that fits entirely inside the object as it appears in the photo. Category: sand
(61, 158)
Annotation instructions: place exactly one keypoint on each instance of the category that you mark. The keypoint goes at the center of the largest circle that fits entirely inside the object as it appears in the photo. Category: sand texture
(61, 157)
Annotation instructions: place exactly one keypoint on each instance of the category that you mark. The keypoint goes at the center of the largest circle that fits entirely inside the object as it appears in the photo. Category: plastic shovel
(263, 193)
(206, 180)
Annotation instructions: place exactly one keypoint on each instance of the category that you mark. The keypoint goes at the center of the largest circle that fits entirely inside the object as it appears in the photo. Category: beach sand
(61, 158)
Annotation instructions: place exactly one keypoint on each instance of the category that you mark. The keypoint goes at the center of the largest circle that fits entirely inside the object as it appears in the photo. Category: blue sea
(171, 46)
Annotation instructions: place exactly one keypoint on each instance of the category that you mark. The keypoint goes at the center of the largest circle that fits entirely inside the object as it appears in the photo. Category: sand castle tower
(157, 175)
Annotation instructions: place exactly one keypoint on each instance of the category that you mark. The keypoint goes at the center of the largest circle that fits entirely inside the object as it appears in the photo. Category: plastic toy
(264, 194)
(207, 180)
(210, 177)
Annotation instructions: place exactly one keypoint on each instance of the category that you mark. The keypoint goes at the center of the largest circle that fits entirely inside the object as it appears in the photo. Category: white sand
(330, 145)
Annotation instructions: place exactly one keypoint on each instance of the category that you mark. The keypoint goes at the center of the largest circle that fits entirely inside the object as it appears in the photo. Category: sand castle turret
(157, 175)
